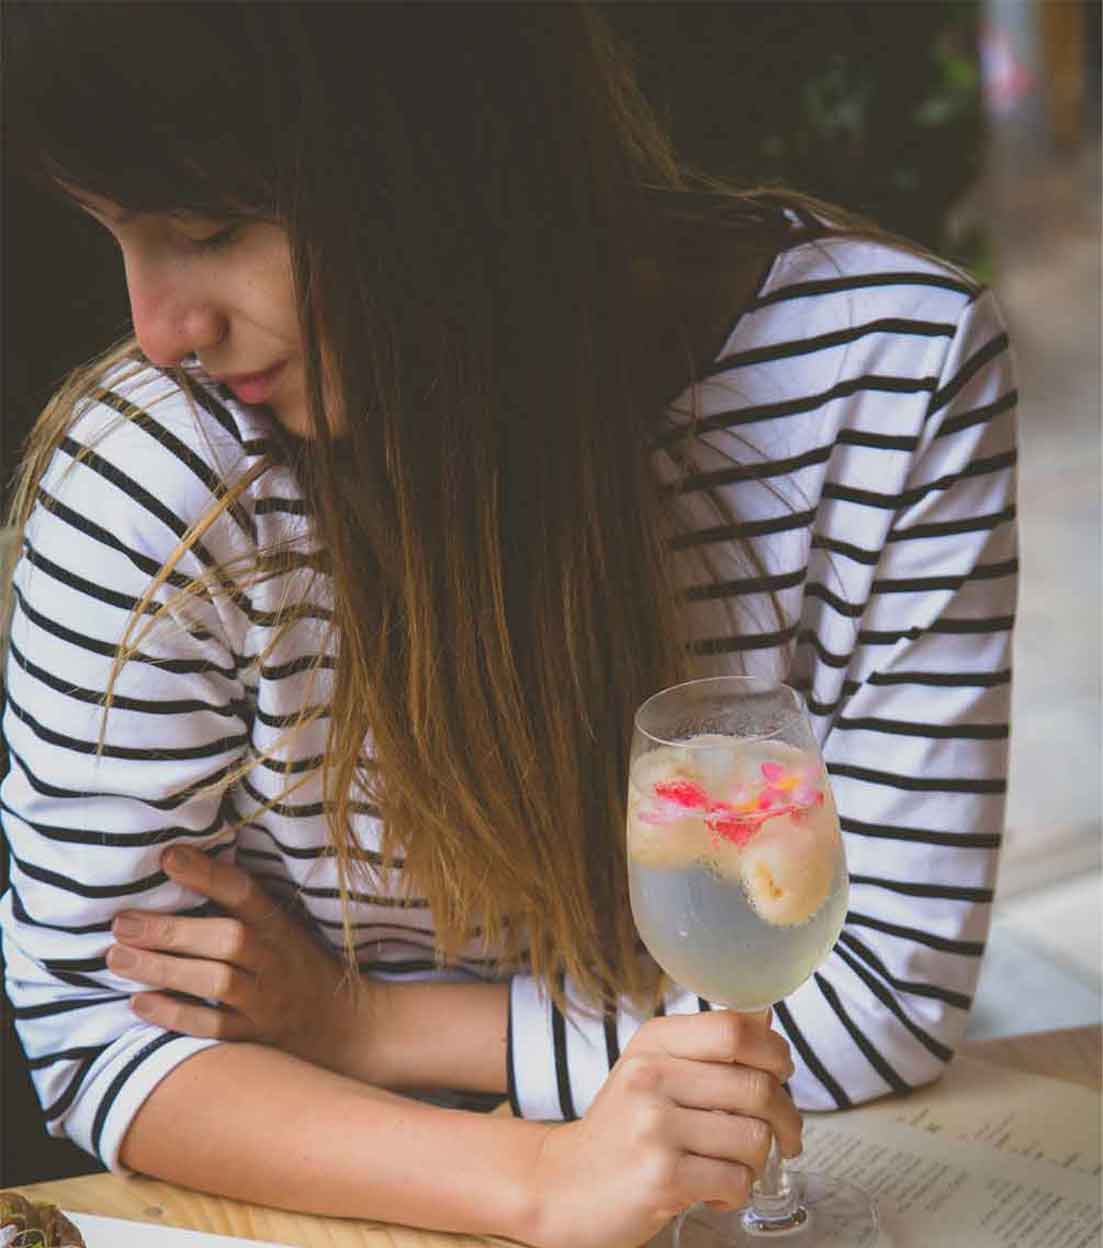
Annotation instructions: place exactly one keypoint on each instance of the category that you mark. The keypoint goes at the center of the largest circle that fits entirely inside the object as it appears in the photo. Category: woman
(457, 423)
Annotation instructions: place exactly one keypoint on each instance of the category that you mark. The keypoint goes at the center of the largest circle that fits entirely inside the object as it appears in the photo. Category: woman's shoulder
(156, 418)
(153, 452)
(838, 281)
(844, 332)
(836, 315)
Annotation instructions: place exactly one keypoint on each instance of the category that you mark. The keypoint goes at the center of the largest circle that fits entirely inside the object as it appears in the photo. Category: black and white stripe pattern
(875, 392)
(860, 423)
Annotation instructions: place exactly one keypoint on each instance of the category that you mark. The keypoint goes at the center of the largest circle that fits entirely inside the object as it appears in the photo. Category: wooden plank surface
(147, 1200)
(1072, 1055)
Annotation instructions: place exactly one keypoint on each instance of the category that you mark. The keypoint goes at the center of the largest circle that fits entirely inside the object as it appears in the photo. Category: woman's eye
(219, 238)
(207, 234)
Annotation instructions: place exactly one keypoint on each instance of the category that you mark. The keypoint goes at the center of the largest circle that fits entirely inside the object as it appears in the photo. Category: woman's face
(221, 291)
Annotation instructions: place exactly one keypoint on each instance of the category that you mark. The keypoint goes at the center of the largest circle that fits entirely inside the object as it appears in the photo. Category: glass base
(835, 1214)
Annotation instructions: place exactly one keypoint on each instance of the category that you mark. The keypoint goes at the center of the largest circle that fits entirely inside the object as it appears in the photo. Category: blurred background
(971, 127)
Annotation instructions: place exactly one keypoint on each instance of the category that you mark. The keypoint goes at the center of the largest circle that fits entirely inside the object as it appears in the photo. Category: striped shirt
(859, 422)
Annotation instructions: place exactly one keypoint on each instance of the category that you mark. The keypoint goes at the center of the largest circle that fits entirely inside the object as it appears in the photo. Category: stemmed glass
(739, 889)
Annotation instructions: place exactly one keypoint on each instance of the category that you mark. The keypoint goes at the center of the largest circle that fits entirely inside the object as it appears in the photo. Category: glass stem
(775, 1200)
(775, 1179)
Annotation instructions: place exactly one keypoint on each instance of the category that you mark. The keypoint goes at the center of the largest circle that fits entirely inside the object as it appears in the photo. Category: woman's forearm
(426, 1035)
(249, 1122)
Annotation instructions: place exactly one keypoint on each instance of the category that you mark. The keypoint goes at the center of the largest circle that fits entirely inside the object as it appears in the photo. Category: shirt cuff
(119, 1085)
(556, 1065)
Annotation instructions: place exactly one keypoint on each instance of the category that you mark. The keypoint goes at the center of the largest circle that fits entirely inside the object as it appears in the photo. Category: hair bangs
(145, 105)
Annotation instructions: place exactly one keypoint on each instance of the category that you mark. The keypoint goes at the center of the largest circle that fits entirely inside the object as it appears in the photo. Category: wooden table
(1072, 1055)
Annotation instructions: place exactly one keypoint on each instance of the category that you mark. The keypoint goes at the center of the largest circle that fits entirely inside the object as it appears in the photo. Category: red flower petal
(735, 828)
(685, 793)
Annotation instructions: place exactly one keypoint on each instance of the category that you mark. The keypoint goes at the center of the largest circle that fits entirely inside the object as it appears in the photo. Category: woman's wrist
(420, 1035)
(353, 1037)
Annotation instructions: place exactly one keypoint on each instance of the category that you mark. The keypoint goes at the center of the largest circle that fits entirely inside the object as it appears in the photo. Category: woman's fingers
(724, 1137)
(744, 1095)
(222, 940)
(232, 888)
(725, 1183)
(191, 1018)
(718, 1036)
(722, 1111)
(215, 981)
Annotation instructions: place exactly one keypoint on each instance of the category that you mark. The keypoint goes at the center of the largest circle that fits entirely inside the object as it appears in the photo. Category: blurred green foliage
(876, 106)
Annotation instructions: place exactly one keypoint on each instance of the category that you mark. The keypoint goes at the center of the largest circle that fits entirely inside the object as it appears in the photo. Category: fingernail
(141, 1006)
(178, 859)
(127, 927)
(120, 958)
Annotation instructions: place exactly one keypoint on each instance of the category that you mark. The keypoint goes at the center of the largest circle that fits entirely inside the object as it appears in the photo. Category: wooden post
(1061, 23)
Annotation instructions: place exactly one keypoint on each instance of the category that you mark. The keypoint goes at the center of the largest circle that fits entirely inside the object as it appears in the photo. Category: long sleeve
(917, 750)
(896, 571)
(86, 829)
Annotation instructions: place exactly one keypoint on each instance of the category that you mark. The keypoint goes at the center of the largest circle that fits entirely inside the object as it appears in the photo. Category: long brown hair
(473, 194)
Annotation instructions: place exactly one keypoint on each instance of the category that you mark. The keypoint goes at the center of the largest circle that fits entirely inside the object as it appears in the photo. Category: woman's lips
(254, 388)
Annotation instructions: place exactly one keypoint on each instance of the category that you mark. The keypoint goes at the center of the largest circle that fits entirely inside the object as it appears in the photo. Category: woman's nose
(174, 315)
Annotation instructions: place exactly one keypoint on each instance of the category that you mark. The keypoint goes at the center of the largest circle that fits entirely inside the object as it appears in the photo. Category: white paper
(941, 1192)
(116, 1233)
(985, 1158)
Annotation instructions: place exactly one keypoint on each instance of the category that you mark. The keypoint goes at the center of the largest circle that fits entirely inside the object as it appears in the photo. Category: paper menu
(941, 1194)
(1012, 1113)
(117, 1233)
(986, 1158)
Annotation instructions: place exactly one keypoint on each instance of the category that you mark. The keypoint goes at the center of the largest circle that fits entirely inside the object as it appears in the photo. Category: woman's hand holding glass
(652, 1142)
(273, 982)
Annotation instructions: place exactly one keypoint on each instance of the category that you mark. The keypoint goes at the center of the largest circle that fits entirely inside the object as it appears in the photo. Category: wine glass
(739, 885)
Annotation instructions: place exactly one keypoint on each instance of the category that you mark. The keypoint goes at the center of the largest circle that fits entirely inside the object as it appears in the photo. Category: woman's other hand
(272, 981)
(653, 1142)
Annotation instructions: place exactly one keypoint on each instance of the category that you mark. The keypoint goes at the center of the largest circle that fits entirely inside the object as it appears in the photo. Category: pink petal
(773, 771)
(684, 793)
(733, 828)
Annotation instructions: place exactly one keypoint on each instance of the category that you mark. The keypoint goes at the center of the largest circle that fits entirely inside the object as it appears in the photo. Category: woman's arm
(87, 826)
(904, 616)
(256, 973)
(407, 1049)
(253, 1123)
(293, 1129)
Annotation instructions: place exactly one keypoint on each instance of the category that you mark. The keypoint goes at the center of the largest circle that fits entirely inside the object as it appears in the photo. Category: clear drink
(739, 883)
(736, 870)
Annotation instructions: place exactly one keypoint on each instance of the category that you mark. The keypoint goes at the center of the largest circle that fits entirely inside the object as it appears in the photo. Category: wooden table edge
(1072, 1055)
